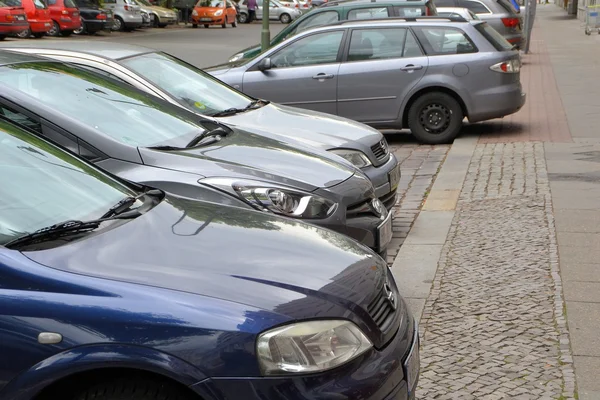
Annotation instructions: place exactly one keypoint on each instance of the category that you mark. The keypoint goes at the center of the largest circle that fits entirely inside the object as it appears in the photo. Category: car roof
(344, 3)
(109, 50)
(390, 22)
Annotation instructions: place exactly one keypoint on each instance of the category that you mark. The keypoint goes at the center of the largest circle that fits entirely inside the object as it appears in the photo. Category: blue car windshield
(113, 109)
(41, 185)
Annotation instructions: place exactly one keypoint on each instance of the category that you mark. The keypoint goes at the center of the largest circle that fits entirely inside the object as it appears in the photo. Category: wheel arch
(87, 361)
(430, 89)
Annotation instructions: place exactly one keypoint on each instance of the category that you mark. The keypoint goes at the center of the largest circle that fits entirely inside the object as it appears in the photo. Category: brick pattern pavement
(419, 165)
(543, 116)
(493, 326)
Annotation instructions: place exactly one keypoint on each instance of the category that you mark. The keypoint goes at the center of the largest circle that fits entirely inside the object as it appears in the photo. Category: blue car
(115, 291)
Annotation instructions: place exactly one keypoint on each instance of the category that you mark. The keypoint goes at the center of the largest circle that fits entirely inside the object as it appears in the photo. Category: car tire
(285, 18)
(206, 26)
(24, 34)
(156, 21)
(2, 37)
(435, 118)
(39, 35)
(125, 389)
(194, 26)
(224, 25)
(81, 30)
(118, 24)
(243, 18)
(55, 30)
(234, 23)
(162, 25)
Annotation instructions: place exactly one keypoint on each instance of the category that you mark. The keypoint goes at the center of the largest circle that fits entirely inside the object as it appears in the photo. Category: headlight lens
(355, 157)
(309, 347)
(218, 12)
(279, 200)
(236, 57)
(195, 13)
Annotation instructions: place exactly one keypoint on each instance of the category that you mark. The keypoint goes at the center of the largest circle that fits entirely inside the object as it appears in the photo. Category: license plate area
(384, 231)
(394, 178)
(412, 364)
(206, 19)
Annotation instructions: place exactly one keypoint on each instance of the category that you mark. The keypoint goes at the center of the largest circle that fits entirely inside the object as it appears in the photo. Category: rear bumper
(38, 26)
(516, 39)
(69, 24)
(97, 25)
(6, 29)
(497, 103)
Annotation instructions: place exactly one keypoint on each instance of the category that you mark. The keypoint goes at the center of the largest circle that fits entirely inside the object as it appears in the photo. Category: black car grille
(380, 150)
(381, 310)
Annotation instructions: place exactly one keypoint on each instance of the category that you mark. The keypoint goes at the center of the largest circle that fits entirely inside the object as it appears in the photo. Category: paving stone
(493, 325)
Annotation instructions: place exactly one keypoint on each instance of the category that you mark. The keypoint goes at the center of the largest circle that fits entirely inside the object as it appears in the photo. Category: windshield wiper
(126, 203)
(62, 229)
(216, 134)
(232, 111)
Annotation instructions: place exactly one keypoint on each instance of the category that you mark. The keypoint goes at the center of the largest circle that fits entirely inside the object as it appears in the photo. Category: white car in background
(304, 6)
(277, 11)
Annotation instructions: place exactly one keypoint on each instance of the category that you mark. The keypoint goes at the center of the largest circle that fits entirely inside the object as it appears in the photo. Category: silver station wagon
(426, 74)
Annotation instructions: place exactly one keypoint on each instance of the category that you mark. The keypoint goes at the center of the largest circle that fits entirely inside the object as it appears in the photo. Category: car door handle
(323, 76)
(411, 67)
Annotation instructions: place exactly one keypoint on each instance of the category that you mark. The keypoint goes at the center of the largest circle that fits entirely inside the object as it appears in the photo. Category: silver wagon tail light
(507, 67)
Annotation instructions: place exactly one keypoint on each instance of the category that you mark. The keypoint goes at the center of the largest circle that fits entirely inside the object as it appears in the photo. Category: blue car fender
(85, 358)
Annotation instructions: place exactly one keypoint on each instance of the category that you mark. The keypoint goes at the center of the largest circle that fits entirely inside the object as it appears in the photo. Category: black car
(93, 17)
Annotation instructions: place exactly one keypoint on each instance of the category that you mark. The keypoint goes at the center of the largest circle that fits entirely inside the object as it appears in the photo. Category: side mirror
(264, 64)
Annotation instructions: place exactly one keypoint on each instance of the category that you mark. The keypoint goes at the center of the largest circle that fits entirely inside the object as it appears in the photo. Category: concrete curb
(416, 264)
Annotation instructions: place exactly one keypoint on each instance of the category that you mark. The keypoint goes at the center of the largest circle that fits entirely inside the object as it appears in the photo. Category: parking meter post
(265, 34)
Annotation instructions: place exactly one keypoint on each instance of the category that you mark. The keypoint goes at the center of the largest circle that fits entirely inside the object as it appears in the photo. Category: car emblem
(389, 294)
(384, 146)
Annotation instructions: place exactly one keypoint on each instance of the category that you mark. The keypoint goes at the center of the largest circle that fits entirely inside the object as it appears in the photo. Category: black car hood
(246, 155)
(233, 254)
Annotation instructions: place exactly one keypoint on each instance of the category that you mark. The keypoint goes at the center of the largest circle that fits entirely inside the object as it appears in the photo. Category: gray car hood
(243, 154)
(311, 128)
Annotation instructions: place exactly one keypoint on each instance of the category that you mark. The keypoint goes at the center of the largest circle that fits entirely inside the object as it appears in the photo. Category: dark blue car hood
(233, 254)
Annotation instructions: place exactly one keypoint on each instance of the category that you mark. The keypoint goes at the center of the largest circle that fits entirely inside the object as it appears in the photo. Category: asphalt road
(201, 47)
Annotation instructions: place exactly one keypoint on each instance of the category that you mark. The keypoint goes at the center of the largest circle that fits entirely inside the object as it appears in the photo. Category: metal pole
(265, 34)
(529, 18)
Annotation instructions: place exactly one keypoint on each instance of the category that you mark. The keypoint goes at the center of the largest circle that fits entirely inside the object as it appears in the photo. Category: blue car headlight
(310, 346)
(279, 200)
(355, 157)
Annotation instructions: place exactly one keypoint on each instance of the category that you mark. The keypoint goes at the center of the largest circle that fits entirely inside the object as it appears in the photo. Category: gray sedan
(187, 86)
(144, 139)
(426, 74)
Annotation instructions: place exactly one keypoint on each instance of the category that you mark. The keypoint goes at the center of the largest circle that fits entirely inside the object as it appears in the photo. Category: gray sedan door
(303, 74)
(381, 67)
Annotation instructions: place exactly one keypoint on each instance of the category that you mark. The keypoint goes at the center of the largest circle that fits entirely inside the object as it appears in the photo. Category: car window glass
(320, 19)
(210, 3)
(368, 13)
(475, 6)
(50, 2)
(20, 118)
(376, 44)
(316, 49)
(405, 11)
(136, 118)
(411, 46)
(192, 87)
(445, 3)
(39, 4)
(101, 72)
(444, 41)
(43, 185)
(70, 4)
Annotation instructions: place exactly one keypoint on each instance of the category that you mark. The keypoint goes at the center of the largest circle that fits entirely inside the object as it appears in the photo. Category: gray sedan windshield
(42, 185)
(193, 88)
(113, 109)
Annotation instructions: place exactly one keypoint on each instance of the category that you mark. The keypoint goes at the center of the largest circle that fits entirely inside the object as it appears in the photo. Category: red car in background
(65, 17)
(38, 17)
(12, 19)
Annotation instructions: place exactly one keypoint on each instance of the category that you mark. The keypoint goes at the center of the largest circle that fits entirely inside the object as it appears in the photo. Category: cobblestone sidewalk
(419, 165)
(493, 326)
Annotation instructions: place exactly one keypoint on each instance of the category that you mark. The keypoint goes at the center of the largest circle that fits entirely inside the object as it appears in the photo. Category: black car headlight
(310, 346)
(277, 199)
